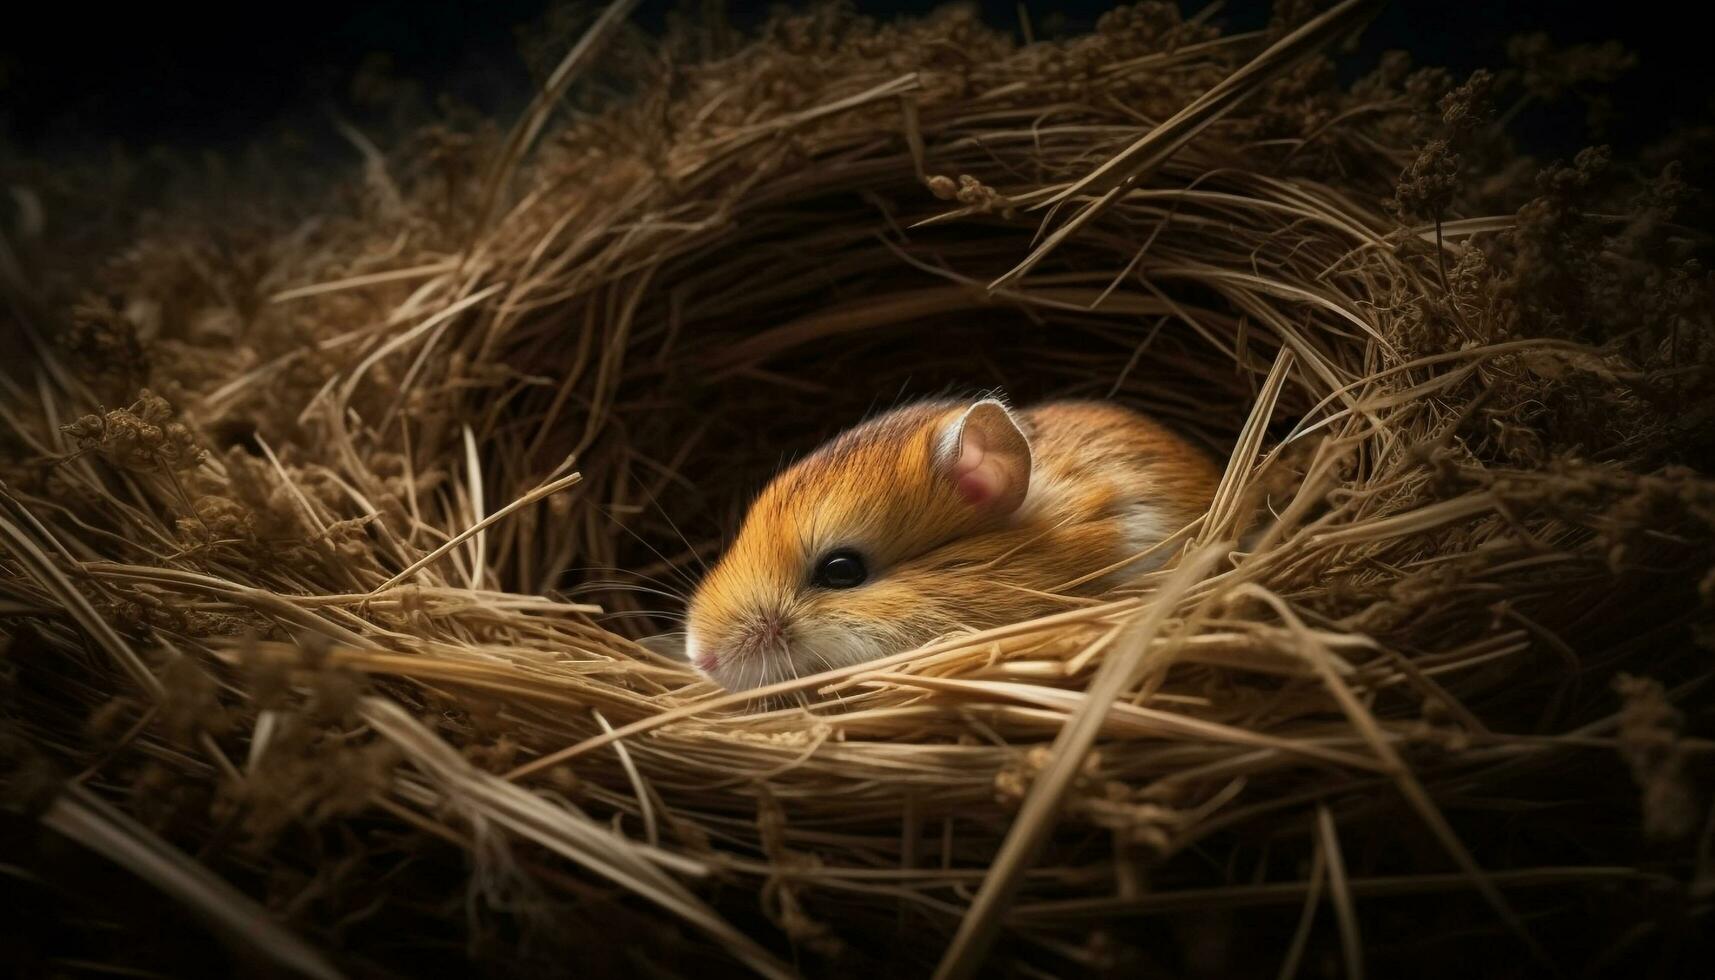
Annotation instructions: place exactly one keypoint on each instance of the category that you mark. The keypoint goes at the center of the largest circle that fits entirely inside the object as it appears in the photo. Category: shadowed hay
(351, 587)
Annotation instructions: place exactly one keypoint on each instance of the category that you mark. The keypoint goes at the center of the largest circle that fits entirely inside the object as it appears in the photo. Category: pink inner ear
(978, 478)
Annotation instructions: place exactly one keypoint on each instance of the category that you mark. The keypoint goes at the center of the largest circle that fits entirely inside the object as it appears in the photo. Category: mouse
(935, 517)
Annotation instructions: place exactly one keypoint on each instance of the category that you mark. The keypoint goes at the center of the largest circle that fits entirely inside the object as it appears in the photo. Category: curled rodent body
(937, 517)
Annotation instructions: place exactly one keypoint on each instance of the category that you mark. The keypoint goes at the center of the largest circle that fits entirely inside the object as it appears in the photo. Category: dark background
(188, 76)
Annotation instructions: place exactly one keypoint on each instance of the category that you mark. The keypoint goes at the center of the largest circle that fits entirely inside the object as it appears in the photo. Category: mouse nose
(764, 631)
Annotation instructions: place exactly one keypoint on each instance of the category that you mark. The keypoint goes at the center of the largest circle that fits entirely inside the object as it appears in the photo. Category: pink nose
(706, 662)
(764, 636)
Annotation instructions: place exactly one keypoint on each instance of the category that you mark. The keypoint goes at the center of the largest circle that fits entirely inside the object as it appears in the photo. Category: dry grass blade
(1115, 176)
(1301, 935)
(1041, 807)
(1226, 507)
(1351, 942)
(539, 493)
(644, 803)
(86, 819)
(568, 833)
(525, 131)
(1409, 784)
(47, 575)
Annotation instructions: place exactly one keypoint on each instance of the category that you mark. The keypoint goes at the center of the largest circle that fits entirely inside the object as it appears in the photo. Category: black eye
(843, 569)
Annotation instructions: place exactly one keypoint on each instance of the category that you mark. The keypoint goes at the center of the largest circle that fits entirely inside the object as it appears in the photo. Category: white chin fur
(693, 649)
(821, 651)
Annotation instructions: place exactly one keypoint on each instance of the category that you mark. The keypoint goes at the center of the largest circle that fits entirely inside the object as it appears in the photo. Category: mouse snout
(768, 629)
(758, 635)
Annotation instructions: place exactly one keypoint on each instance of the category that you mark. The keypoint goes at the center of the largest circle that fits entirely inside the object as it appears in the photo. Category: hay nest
(330, 635)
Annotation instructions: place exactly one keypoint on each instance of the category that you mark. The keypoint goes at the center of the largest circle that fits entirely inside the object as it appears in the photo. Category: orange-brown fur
(1105, 483)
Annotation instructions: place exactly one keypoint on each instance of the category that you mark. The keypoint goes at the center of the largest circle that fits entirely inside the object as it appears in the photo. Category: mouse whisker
(666, 588)
(689, 547)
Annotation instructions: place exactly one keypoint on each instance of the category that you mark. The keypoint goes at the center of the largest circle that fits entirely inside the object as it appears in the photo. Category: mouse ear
(985, 455)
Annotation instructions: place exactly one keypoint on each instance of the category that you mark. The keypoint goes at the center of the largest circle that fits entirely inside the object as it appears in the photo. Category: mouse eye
(843, 569)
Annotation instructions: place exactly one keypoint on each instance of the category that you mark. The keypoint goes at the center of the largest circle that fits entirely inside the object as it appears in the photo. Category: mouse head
(854, 553)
